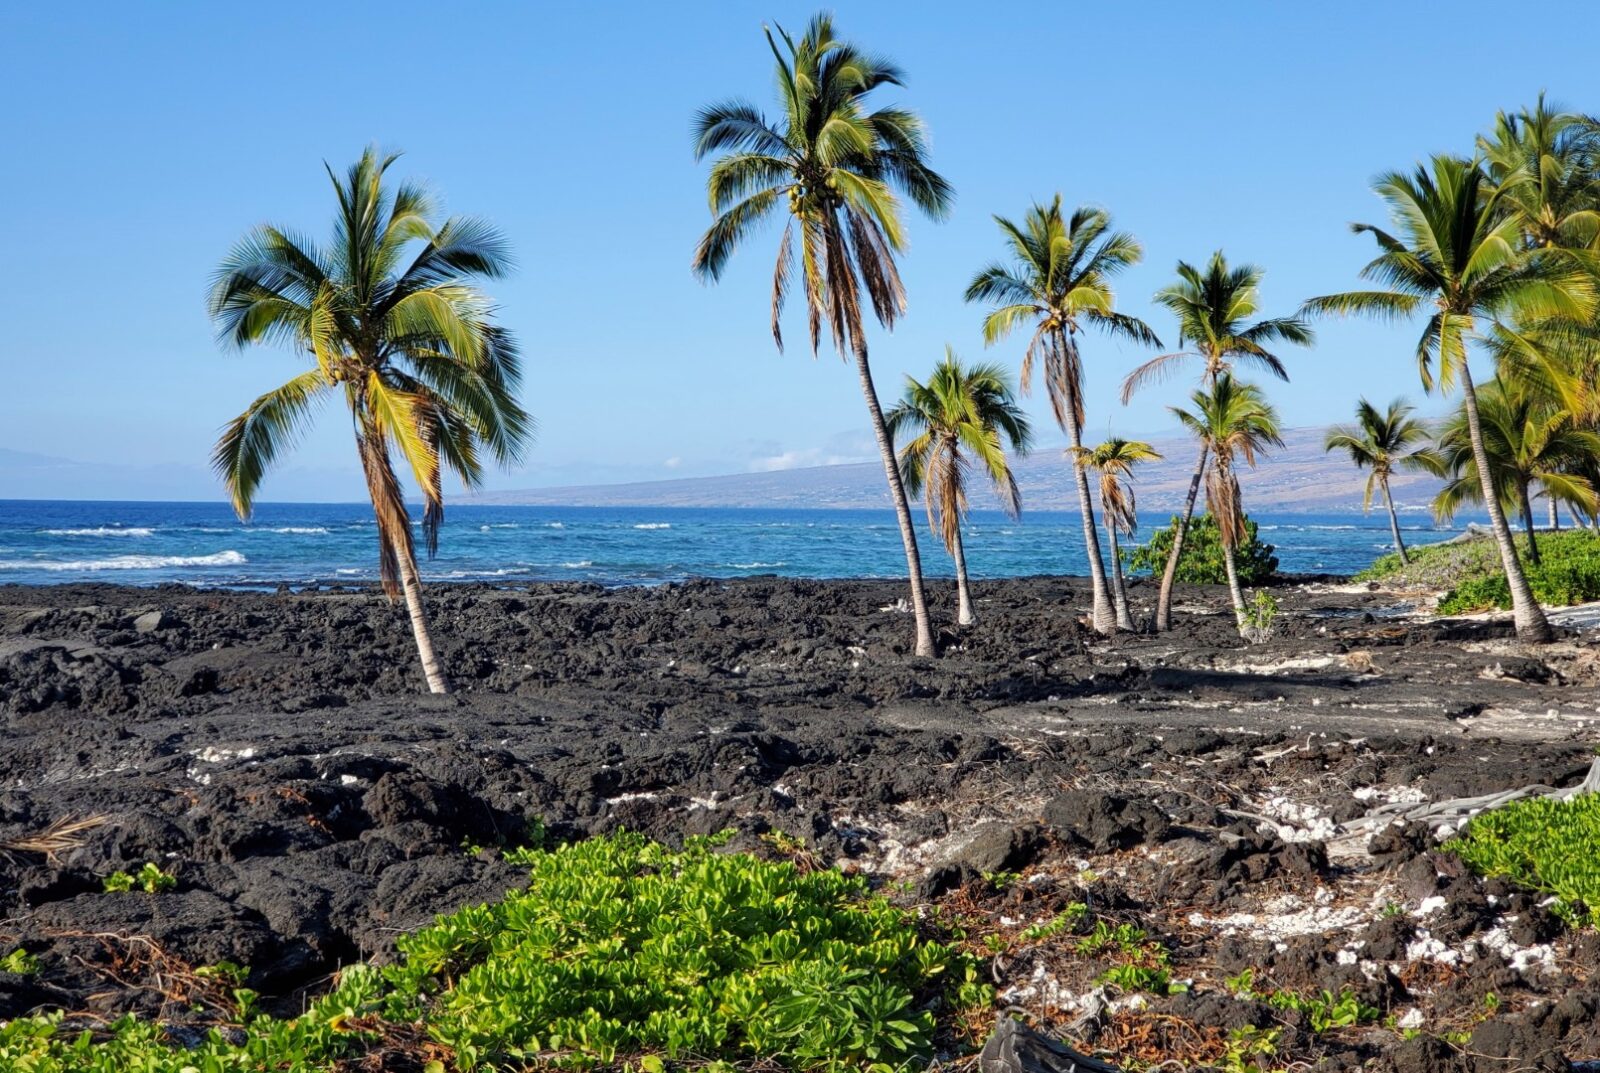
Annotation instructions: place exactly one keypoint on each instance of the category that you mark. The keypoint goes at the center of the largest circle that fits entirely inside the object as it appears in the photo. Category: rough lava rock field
(274, 753)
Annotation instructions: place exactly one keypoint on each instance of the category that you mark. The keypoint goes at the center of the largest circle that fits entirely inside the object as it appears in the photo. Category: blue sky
(142, 140)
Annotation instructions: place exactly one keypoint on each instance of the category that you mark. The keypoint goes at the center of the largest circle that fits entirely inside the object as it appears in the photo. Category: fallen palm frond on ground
(62, 835)
(1447, 816)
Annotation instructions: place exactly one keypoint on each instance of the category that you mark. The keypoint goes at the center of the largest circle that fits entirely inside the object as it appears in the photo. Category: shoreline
(275, 753)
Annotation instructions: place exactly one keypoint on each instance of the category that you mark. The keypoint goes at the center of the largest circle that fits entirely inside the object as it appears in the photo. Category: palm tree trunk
(897, 493)
(1555, 512)
(1394, 523)
(1531, 624)
(1170, 574)
(1119, 587)
(964, 615)
(411, 583)
(1104, 617)
(1527, 523)
(1234, 591)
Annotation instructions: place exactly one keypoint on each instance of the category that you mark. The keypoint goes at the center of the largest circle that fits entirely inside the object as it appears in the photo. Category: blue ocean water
(45, 542)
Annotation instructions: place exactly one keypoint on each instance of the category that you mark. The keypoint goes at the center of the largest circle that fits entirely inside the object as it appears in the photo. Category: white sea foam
(127, 562)
(304, 530)
(579, 565)
(757, 566)
(554, 525)
(104, 530)
(499, 525)
(654, 525)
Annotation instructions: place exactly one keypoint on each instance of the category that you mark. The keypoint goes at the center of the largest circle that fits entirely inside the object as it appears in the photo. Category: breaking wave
(128, 562)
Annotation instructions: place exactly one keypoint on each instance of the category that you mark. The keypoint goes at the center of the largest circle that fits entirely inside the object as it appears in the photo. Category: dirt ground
(274, 753)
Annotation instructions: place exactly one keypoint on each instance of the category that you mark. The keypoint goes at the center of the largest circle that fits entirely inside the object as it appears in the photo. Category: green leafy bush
(1473, 579)
(1542, 843)
(618, 951)
(1200, 562)
(621, 947)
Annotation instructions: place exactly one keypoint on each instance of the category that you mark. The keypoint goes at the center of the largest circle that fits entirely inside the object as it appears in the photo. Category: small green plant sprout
(1065, 920)
(1260, 617)
(1243, 985)
(1324, 1010)
(20, 963)
(1155, 979)
(226, 972)
(149, 878)
(1000, 881)
(1248, 1048)
(1127, 939)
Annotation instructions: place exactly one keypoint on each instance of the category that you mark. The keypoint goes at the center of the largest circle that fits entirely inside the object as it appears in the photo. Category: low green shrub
(1200, 562)
(1542, 843)
(1474, 580)
(618, 951)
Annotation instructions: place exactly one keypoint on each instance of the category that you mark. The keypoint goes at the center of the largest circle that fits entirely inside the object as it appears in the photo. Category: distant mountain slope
(1299, 478)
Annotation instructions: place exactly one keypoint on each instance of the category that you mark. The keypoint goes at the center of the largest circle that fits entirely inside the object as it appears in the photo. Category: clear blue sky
(141, 140)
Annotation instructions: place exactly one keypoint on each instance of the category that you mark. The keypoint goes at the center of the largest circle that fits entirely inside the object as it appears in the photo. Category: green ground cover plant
(1546, 844)
(1324, 1010)
(1471, 574)
(1200, 562)
(620, 951)
(149, 878)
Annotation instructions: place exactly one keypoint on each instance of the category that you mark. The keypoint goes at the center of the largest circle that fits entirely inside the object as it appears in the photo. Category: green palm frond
(1214, 306)
(270, 425)
(838, 165)
(1456, 247)
(1059, 280)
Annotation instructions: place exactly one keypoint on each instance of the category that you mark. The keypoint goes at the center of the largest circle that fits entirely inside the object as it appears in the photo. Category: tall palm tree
(958, 412)
(1527, 442)
(1457, 251)
(1059, 283)
(1214, 307)
(1232, 420)
(834, 163)
(1114, 460)
(390, 319)
(1381, 442)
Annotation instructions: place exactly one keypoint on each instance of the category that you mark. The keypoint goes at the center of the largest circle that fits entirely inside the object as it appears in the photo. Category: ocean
(45, 542)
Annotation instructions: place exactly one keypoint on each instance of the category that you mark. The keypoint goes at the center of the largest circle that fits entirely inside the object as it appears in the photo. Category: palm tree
(1546, 164)
(390, 319)
(1381, 442)
(1059, 282)
(834, 162)
(1527, 442)
(1457, 251)
(1231, 420)
(1213, 307)
(958, 412)
(1114, 460)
